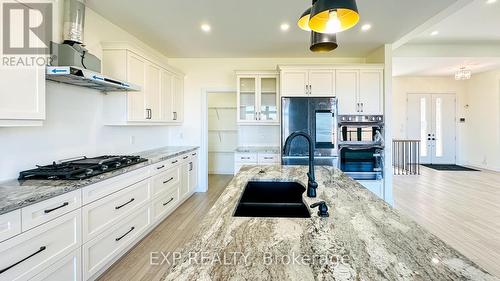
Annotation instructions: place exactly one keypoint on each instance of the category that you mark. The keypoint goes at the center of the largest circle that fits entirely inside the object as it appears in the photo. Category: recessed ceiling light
(285, 26)
(434, 33)
(366, 27)
(205, 27)
(491, 1)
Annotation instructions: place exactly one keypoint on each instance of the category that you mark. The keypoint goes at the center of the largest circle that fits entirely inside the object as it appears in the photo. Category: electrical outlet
(132, 139)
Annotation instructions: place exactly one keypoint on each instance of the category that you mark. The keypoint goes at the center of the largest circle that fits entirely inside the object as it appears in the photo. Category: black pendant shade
(323, 42)
(332, 16)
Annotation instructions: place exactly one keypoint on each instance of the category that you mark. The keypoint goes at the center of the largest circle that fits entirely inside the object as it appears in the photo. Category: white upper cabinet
(153, 92)
(347, 91)
(258, 98)
(358, 87)
(371, 91)
(360, 91)
(22, 96)
(294, 83)
(322, 83)
(161, 99)
(136, 73)
(177, 99)
(167, 95)
(307, 82)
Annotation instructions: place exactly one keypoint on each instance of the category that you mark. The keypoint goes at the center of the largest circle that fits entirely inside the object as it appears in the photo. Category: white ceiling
(252, 28)
(470, 35)
(476, 22)
(439, 66)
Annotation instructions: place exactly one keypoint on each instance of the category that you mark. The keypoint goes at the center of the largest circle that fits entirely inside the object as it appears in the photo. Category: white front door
(431, 119)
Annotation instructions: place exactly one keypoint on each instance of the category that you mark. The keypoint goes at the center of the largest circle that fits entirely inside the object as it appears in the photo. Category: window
(423, 127)
(439, 128)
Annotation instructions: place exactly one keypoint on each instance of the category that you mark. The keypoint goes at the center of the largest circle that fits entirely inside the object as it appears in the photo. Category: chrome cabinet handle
(362, 107)
(166, 203)
(268, 158)
(125, 204)
(190, 166)
(194, 154)
(185, 157)
(173, 162)
(149, 114)
(310, 89)
(161, 167)
(126, 233)
(26, 258)
(51, 210)
(243, 158)
(175, 115)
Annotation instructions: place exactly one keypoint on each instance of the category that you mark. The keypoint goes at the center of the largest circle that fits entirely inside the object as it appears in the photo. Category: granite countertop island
(15, 194)
(362, 239)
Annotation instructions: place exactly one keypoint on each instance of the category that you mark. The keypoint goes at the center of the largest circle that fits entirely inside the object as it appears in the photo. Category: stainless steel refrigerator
(318, 118)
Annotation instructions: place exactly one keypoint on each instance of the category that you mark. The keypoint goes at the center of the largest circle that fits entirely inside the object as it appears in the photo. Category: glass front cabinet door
(258, 98)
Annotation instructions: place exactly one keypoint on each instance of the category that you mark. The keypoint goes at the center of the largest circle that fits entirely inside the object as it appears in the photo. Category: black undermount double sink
(272, 199)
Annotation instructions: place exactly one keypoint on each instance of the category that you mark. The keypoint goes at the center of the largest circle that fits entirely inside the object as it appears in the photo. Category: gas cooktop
(80, 168)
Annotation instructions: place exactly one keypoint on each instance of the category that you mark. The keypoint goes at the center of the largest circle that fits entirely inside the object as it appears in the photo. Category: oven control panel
(361, 118)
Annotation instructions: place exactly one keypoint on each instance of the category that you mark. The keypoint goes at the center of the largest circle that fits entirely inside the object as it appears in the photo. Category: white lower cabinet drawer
(165, 182)
(68, 268)
(164, 204)
(31, 252)
(245, 157)
(99, 251)
(269, 158)
(103, 213)
(10, 224)
(99, 190)
(50, 209)
(165, 165)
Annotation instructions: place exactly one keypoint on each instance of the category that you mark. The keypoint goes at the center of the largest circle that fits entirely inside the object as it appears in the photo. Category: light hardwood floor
(171, 234)
(461, 208)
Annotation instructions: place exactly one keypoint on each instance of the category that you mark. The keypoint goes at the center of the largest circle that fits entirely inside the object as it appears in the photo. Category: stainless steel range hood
(87, 78)
(73, 64)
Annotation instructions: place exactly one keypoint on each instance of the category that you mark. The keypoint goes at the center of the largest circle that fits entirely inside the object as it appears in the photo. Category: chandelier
(463, 74)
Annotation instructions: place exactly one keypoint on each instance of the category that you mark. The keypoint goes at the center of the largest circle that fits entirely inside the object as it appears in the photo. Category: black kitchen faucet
(311, 183)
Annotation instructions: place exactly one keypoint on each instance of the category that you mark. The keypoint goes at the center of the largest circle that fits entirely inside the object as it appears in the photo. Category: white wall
(478, 139)
(483, 120)
(74, 123)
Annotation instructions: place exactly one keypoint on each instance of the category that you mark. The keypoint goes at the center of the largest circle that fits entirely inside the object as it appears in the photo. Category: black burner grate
(82, 168)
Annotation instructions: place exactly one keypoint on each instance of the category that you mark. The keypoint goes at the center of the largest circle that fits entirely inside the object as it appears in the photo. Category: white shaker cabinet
(360, 91)
(322, 83)
(153, 92)
(299, 82)
(22, 98)
(161, 99)
(347, 91)
(136, 73)
(193, 172)
(371, 89)
(294, 83)
(177, 110)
